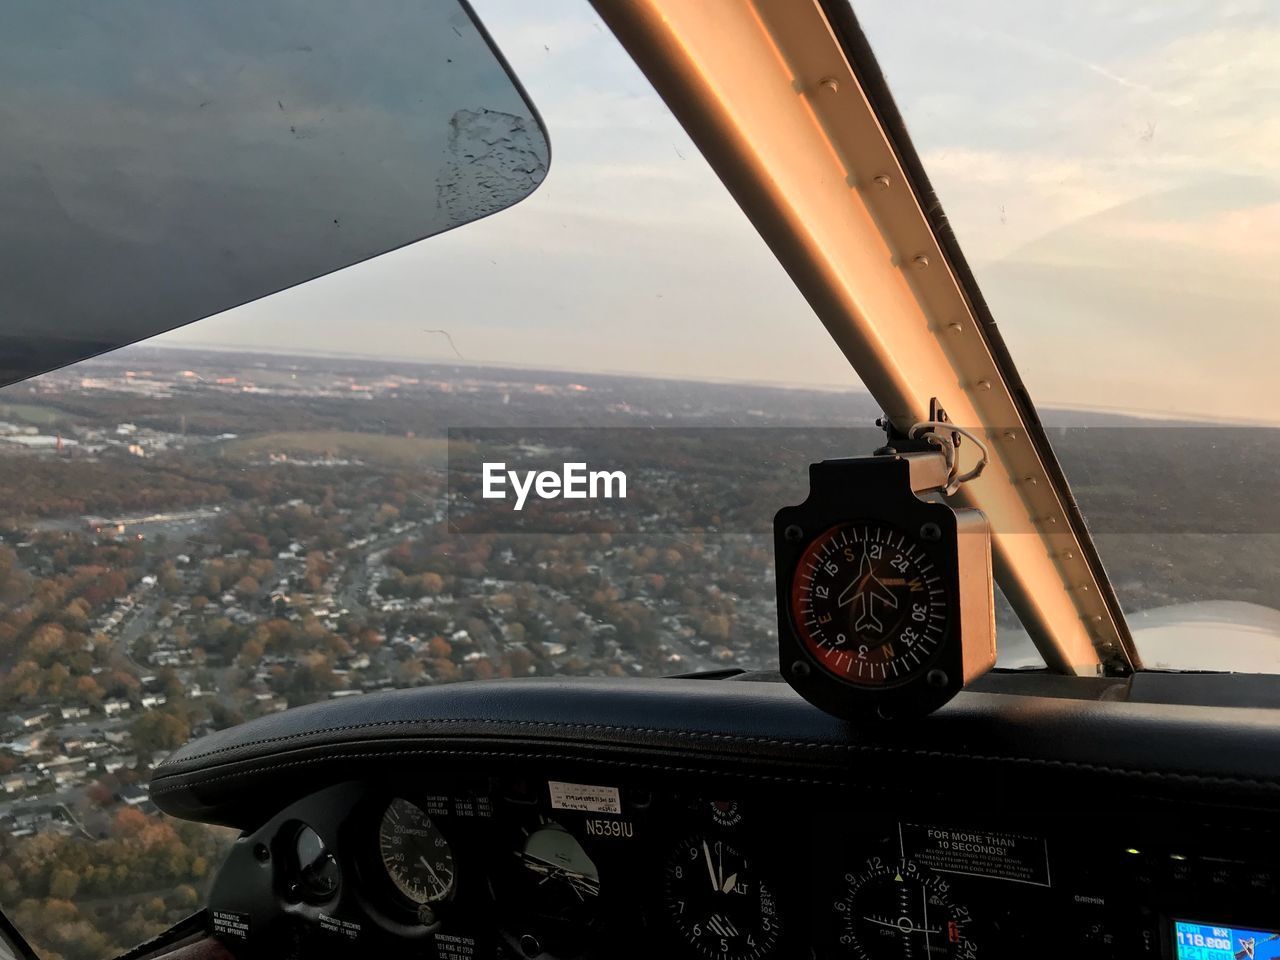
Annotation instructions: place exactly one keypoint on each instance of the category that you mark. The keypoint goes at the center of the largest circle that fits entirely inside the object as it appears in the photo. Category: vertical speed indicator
(868, 603)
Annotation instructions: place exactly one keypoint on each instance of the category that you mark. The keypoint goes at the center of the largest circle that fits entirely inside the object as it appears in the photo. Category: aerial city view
(191, 538)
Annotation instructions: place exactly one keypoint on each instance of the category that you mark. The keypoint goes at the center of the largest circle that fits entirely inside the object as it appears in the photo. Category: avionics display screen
(1208, 941)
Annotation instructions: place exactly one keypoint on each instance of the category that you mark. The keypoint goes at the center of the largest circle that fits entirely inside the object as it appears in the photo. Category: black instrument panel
(436, 865)
(1040, 816)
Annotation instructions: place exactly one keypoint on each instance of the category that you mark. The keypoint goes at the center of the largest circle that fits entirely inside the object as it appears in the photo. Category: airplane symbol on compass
(864, 592)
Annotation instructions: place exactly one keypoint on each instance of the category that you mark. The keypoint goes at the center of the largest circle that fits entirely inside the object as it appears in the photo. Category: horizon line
(859, 389)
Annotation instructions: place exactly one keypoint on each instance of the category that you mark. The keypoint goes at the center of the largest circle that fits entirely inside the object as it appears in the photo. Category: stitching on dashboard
(598, 727)
(485, 754)
(195, 779)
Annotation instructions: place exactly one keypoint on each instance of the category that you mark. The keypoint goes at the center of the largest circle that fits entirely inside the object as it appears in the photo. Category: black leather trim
(702, 728)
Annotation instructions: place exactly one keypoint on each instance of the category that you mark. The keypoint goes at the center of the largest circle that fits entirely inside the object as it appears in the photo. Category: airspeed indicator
(416, 855)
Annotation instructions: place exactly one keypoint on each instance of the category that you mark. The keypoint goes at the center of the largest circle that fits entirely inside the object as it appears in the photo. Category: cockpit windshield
(258, 509)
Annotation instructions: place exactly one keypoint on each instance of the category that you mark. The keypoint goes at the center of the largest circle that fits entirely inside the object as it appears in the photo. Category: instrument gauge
(415, 854)
(898, 909)
(869, 604)
(560, 877)
(718, 901)
(548, 890)
(886, 602)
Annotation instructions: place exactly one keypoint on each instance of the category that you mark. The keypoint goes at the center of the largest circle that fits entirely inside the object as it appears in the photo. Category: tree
(63, 884)
(368, 639)
(521, 661)
(251, 653)
(99, 793)
(409, 673)
(445, 671)
(129, 822)
(14, 583)
(160, 730)
(56, 680)
(87, 689)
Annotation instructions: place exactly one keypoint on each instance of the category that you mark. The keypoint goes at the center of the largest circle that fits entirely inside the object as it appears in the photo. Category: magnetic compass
(869, 602)
(885, 599)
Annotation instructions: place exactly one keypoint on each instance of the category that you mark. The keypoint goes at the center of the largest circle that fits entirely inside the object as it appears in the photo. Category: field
(347, 445)
(31, 413)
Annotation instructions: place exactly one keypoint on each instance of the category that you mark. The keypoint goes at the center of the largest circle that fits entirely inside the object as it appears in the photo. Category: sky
(630, 257)
(1110, 169)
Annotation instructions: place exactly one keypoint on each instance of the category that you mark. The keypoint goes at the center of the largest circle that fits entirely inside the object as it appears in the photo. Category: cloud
(1109, 167)
(1111, 171)
(631, 257)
